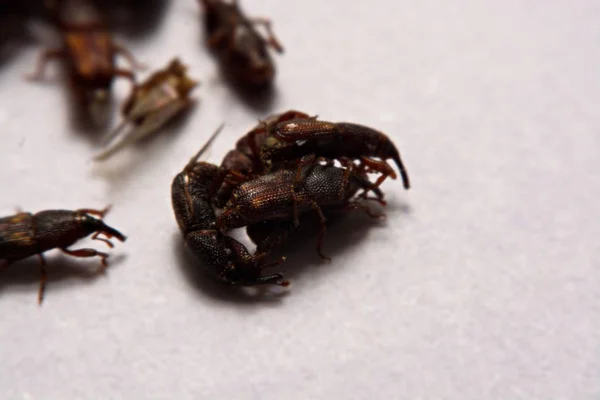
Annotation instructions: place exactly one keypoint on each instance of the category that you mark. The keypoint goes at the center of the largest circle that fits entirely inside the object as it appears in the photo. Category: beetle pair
(282, 168)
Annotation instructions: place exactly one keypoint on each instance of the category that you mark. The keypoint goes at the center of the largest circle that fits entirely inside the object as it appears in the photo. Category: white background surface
(482, 283)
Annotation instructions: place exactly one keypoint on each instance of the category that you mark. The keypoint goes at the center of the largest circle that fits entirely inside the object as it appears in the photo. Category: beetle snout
(112, 232)
(97, 225)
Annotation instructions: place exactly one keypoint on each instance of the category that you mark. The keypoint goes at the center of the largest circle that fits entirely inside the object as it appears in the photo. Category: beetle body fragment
(286, 194)
(150, 106)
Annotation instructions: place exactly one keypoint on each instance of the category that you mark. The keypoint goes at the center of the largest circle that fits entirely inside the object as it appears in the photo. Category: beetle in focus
(295, 138)
(223, 258)
(24, 234)
(245, 158)
(286, 194)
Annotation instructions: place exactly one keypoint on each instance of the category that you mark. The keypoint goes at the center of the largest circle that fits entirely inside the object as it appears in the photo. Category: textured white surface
(482, 284)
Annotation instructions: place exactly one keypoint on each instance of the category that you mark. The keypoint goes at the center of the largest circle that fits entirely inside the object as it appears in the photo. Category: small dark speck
(22, 142)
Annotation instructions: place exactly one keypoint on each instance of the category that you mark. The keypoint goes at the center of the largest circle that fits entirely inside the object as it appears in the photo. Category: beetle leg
(379, 166)
(221, 177)
(276, 279)
(235, 178)
(108, 242)
(322, 231)
(255, 261)
(43, 278)
(88, 253)
(271, 39)
(43, 59)
(123, 73)
(361, 170)
(300, 164)
(135, 64)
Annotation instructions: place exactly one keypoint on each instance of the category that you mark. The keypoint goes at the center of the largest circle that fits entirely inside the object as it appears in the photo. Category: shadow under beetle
(90, 55)
(242, 50)
(285, 194)
(225, 259)
(25, 234)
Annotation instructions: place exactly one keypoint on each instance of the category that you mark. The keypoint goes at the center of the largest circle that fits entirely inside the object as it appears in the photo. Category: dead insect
(296, 138)
(90, 55)
(224, 258)
(150, 106)
(242, 50)
(285, 194)
(25, 234)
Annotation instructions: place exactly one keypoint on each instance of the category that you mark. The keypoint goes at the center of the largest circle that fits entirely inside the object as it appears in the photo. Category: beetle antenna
(205, 147)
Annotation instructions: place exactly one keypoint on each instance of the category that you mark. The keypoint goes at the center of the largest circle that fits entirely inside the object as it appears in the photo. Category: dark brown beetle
(285, 194)
(225, 259)
(293, 139)
(245, 158)
(242, 50)
(90, 53)
(25, 234)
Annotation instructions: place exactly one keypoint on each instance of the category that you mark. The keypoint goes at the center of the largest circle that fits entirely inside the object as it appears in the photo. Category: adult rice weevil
(25, 234)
